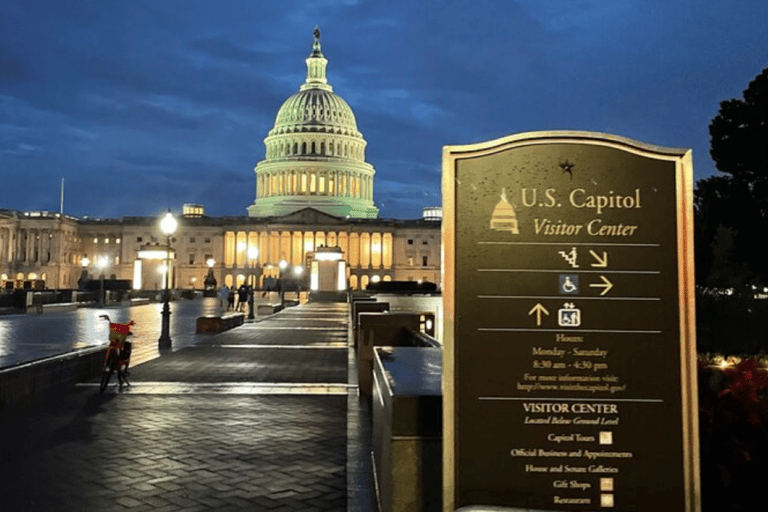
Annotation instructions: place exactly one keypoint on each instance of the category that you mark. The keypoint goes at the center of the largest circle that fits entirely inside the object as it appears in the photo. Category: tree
(732, 208)
(739, 133)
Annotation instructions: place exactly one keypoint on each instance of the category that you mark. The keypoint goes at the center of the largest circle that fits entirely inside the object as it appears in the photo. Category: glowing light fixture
(169, 224)
(155, 254)
(327, 256)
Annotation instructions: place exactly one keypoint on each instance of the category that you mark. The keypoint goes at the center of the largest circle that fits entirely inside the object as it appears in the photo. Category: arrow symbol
(538, 309)
(601, 262)
(606, 284)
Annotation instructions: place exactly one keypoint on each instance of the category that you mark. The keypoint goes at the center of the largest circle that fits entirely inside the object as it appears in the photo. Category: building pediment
(307, 215)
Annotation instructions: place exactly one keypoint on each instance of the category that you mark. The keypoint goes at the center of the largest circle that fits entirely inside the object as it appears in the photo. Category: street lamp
(84, 262)
(168, 227)
(101, 263)
(253, 253)
(283, 265)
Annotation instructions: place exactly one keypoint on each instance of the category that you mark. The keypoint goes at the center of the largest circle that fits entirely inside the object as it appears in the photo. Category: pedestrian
(242, 297)
(223, 294)
(231, 299)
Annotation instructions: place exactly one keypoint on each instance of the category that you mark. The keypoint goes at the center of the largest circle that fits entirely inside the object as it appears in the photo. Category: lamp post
(168, 227)
(84, 262)
(253, 253)
(101, 263)
(298, 273)
(283, 265)
(209, 283)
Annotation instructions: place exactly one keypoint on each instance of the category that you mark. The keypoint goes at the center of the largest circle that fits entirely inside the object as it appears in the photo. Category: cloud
(227, 50)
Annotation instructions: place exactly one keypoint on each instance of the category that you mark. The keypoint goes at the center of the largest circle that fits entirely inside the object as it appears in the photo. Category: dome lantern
(316, 63)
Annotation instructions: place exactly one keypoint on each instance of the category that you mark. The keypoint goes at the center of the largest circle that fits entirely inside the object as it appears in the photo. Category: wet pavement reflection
(26, 338)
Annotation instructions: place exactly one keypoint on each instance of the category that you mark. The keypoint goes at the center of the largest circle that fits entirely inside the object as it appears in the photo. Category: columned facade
(54, 249)
(315, 155)
(38, 246)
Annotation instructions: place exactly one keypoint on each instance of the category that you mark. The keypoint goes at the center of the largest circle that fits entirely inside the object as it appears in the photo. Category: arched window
(303, 148)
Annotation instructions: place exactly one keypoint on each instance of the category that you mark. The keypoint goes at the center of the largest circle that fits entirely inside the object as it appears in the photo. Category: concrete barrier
(139, 301)
(268, 309)
(359, 307)
(59, 308)
(381, 330)
(31, 383)
(408, 428)
(214, 324)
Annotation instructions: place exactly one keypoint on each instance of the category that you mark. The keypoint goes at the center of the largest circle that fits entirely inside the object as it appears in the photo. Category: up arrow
(602, 262)
(538, 309)
(606, 284)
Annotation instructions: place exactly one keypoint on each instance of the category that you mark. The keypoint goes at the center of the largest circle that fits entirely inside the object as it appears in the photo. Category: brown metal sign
(569, 366)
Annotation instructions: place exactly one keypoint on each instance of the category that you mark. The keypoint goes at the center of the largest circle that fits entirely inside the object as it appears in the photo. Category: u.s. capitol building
(313, 189)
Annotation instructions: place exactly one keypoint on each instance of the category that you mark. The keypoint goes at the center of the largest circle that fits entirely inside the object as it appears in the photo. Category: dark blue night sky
(144, 105)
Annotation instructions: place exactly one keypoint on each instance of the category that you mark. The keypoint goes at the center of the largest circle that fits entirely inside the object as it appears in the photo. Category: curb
(31, 383)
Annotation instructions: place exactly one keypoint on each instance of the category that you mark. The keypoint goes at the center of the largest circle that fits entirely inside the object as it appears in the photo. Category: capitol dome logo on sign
(504, 218)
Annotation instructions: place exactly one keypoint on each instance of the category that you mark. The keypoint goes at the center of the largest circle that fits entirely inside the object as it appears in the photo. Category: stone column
(28, 246)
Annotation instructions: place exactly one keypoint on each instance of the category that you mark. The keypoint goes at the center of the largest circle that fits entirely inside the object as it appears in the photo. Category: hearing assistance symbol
(569, 315)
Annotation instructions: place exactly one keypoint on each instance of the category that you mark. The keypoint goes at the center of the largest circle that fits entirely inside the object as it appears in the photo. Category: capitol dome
(315, 155)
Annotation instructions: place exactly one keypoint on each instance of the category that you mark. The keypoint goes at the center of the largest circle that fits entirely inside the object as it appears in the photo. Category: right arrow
(538, 309)
(606, 284)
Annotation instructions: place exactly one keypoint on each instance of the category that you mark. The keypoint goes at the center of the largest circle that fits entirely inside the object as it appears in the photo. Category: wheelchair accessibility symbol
(569, 316)
(569, 284)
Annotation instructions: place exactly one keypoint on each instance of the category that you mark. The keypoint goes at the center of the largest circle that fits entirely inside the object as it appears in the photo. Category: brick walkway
(252, 419)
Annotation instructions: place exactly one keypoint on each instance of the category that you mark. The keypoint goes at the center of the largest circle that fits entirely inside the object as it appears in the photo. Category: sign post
(569, 364)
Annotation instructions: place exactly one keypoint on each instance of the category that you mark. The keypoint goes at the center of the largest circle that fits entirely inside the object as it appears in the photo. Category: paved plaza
(262, 417)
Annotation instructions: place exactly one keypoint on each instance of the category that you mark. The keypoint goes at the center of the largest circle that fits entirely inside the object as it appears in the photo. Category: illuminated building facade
(315, 155)
(313, 189)
(52, 247)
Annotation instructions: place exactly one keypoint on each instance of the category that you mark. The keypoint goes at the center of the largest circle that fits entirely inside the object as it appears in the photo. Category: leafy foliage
(733, 434)
(732, 209)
